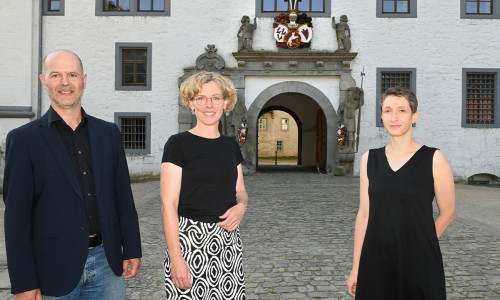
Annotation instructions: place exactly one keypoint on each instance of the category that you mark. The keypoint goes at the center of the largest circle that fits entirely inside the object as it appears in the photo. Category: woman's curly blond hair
(192, 86)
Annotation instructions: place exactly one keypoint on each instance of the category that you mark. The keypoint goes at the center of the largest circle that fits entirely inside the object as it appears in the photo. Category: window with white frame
(284, 124)
(262, 123)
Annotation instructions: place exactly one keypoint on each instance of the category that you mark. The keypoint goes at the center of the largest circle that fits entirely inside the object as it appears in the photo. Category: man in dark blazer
(71, 227)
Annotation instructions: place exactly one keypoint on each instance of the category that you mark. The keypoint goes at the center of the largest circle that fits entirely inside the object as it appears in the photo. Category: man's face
(64, 80)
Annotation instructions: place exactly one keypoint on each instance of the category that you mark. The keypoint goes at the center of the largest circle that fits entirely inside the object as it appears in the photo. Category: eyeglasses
(202, 101)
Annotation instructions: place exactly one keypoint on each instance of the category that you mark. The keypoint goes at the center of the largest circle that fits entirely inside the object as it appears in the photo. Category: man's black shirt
(78, 146)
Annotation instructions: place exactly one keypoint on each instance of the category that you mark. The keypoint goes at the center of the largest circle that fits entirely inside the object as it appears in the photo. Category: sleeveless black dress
(400, 257)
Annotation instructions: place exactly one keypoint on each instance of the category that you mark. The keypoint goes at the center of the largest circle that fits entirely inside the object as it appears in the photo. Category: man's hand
(131, 267)
(29, 295)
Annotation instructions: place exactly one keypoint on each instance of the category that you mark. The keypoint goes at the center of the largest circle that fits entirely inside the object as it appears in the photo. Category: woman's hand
(233, 217)
(351, 284)
(180, 273)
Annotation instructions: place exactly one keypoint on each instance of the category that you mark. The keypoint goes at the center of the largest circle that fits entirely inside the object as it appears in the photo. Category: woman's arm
(234, 215)
(170, 188)
(444, 188)
(361, 224)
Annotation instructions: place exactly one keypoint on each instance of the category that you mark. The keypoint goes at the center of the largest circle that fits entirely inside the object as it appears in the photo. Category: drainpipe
(39, 99)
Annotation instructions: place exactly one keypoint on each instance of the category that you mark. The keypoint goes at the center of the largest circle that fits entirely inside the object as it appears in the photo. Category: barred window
(279, 146)
(480, 98)
(134, 133)
(391, 77)
(479, 7)
(262, 123)
(135, 129)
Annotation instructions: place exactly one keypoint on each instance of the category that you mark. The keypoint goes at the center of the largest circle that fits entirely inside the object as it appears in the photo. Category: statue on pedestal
(347, 115)
(245, 34)
(343, 34)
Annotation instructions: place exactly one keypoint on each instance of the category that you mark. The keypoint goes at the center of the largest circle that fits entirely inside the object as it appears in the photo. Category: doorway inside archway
(278, 138)
(291, 134)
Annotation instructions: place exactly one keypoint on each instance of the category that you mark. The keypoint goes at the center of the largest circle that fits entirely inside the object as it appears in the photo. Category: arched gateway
(282, 65)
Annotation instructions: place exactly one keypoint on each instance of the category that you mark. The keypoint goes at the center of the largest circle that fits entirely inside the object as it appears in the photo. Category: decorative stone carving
(343, 34)
(268, 65)
(347, 115)
(320, 65)
(210, 60)
(245, 34)
(237, 116)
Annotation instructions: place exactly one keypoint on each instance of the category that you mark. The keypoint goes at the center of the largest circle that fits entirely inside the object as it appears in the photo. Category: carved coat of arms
(293, 31)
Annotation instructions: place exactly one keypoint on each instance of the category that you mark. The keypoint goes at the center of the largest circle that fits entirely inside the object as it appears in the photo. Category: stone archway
(264, 63)
(332, 153)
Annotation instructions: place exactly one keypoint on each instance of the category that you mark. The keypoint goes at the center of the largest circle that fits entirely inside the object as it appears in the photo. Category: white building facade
(136, 57)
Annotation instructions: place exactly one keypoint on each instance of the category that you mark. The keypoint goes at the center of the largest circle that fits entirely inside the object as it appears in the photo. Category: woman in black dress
(396, 248)
(204, 198)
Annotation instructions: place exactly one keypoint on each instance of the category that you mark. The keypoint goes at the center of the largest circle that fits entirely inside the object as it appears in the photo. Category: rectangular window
(396, 8)
(136, 132)
(151, 5)
(480, 107)
(132, 8)
(284, 124)
(116, 5)
(305, 6)
(390, 77)
(262, 124)
(272, 8)
(134, 63)
(53, 7)
(133, 133)
(133, 66)
(481, 7)
(279, 146)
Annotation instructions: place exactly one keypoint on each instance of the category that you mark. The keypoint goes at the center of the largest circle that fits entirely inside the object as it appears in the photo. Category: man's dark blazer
(46, 227)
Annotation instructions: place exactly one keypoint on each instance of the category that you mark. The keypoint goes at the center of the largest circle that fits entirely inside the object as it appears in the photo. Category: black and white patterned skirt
(214, 256)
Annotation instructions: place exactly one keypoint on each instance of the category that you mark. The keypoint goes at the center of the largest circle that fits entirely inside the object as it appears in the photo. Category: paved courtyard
(298, 236)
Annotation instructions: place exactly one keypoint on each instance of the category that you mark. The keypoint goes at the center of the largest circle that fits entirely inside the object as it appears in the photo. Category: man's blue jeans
(97, 282)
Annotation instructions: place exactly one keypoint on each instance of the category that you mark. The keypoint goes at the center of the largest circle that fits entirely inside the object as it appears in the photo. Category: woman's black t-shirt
(209, 174)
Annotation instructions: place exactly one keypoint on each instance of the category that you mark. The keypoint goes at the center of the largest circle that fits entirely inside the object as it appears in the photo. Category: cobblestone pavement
(298, 236)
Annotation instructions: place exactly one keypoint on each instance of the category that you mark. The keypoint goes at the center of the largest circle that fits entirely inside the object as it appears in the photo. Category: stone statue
(245, 34)
(237, 116)
(347, 114)
(343, 34)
